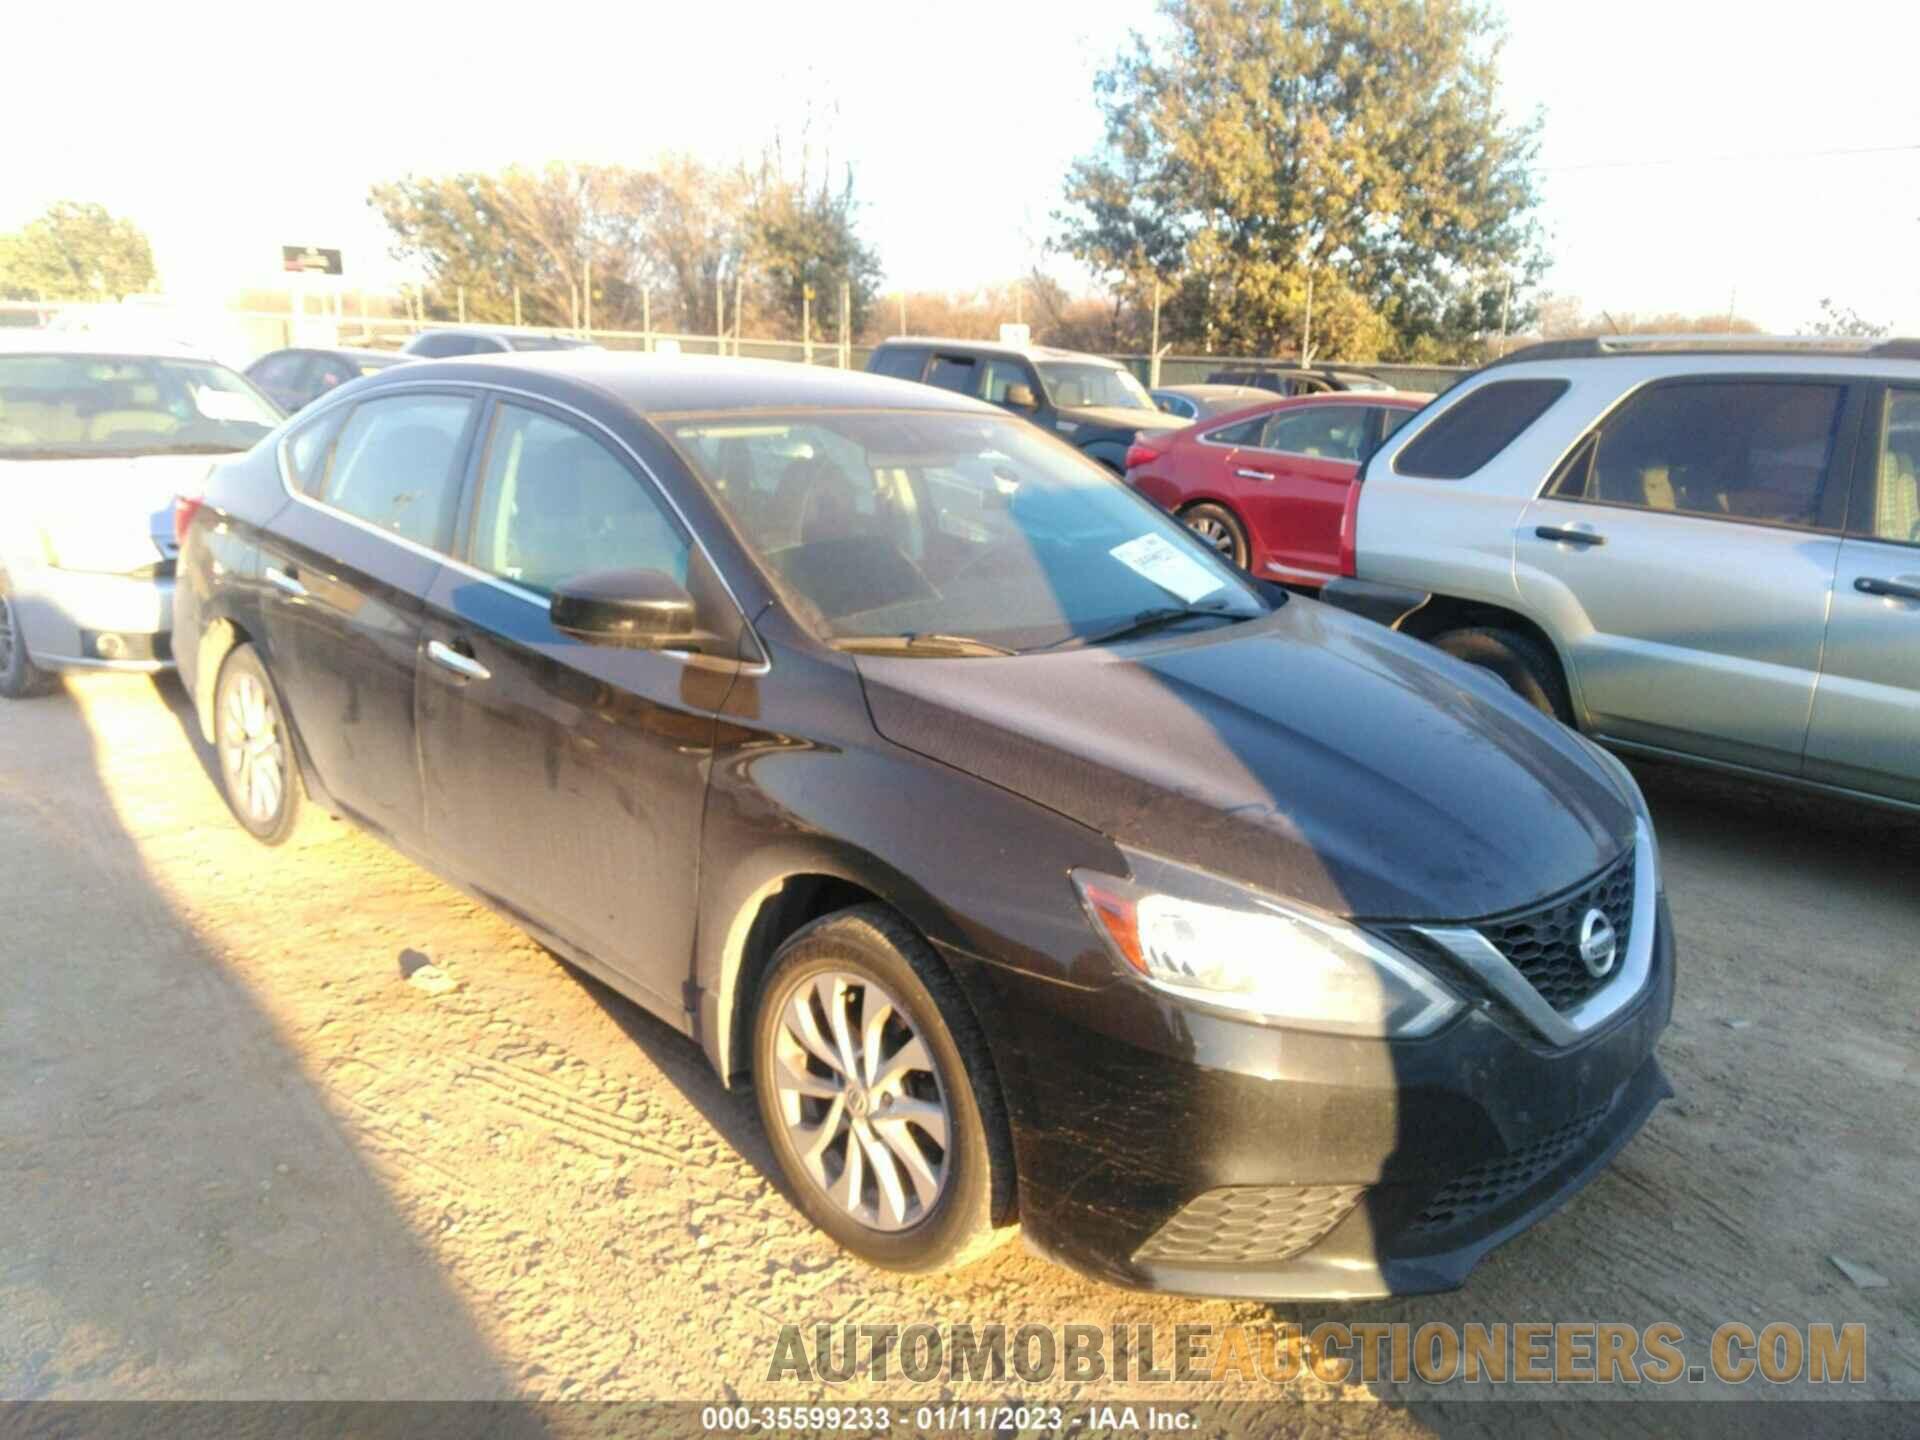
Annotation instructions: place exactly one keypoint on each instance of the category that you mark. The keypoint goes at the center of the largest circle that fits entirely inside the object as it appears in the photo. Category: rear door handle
(465, 666)
(1893, 589)
(1569, 537)
(287, 583)
(1245, 474)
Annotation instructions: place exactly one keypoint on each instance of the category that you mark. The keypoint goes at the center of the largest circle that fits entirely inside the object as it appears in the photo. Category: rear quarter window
(902, 362)
(1477, 428)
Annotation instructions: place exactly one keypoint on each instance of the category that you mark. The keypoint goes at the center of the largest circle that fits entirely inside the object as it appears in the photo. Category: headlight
(1205, 939)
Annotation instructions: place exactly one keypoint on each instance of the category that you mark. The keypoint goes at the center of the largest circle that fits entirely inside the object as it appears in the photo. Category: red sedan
(1272, 487)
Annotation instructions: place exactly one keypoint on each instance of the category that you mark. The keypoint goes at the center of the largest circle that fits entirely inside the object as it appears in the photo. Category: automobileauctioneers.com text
(1525, 1352)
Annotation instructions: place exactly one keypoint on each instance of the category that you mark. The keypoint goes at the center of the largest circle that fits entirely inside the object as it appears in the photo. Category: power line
(1649, 162)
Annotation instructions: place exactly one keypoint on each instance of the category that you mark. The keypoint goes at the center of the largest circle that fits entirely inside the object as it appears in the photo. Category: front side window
(999, 375)
(279, 371)
(1738, 450)
(898, 523)
(1072, 383)
(1476, 428)
(556, 504)
(78, 406)
(1324, 432)
(1896, 496)
(396, 465)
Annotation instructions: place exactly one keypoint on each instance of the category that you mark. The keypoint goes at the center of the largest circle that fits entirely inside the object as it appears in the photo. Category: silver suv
(1700, 551)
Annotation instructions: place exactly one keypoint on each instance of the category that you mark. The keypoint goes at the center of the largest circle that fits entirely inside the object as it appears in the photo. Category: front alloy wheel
(878, 1095)
(256, 755)
(1220, 529)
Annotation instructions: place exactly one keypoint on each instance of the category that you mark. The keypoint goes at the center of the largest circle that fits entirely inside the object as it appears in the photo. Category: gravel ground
(249, 1148)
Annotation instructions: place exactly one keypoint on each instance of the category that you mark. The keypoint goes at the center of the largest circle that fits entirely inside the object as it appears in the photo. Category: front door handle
(1245, 474)
(1569, 537)
(465, 666)
(1892, 589)
(287, 583)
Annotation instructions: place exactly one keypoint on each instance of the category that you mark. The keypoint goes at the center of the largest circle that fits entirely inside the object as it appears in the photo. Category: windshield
(945, 527)
(73, 406)
(1069, 384)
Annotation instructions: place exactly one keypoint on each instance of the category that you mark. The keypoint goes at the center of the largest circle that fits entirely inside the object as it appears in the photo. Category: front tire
(1222, 531)
(878, 1096)
(1530, 669)
(20, 678)
(257, 766)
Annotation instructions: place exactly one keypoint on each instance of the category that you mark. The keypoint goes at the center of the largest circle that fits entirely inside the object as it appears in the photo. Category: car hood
(1119, 417)
(1309, 753)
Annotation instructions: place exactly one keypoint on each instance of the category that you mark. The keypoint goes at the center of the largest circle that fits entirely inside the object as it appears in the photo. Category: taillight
(1140, 453)
(185, 507)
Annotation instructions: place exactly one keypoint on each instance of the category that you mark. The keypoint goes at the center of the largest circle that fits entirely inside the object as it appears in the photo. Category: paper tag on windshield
(226, 405)
(1154, 558)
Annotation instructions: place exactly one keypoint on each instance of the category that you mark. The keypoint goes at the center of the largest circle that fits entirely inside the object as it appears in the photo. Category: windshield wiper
(1156, 618)
(920, 642)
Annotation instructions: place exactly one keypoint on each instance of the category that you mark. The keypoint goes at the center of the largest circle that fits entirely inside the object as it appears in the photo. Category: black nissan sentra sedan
(1038, 867)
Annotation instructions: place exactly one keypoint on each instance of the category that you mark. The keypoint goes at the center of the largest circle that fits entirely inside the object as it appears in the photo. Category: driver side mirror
(632, 609)
(1020, 397)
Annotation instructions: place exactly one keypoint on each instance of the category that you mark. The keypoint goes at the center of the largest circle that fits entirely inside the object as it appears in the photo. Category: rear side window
(953, 372)
(1476, 429)
(1247, 432)
(1734, 450)
(900, 361)
(396, 463)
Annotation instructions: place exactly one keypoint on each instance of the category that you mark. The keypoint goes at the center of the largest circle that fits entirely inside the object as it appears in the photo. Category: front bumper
(74, 619)
(1350, 1168)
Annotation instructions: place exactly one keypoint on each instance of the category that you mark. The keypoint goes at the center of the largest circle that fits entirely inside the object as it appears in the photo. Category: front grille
(1245, 1223)
(1488, 1186)
(1544, 944)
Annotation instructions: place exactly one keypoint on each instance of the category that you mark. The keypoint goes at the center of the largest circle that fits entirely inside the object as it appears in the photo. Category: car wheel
(1221, 529)
(20, 678)
(257, 764)
(878, 1095)
(1530, 669)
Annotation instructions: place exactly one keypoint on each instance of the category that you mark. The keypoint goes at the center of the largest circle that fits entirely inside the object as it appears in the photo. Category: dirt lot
(242, 1155)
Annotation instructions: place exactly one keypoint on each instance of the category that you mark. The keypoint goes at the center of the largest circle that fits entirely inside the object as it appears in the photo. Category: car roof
(1209, 392)
(85, 342)
(653, 384)
(996, 347)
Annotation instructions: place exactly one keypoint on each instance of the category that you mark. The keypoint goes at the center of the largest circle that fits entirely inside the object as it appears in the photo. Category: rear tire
(857, 1110)
(20, 678)
(258, 768)
(1221, 529)
(1530, 669)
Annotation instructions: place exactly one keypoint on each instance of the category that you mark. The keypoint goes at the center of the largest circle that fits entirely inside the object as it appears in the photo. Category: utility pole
(806, 323)
(1306, 340)
(586, 296)
(903, 312)
(846, 323)
(461, 296)
(739, 285)
(1153, 365)
(719, 314)
(1506, 313)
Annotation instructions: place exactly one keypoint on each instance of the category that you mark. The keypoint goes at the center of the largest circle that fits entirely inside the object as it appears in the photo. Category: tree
(1359, 140)
(75, 251)
(804, 240)
(1844, 320)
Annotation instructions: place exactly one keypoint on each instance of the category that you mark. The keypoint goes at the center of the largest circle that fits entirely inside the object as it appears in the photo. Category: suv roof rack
(1588, 347)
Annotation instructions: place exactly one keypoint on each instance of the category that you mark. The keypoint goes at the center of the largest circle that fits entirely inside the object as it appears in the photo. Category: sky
(1681, 142)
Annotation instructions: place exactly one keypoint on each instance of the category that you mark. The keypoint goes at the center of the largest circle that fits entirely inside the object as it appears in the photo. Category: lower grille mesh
(1243, 1223)
(1489, 1186)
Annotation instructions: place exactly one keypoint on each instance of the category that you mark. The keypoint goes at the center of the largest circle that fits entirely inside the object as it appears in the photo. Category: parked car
(1296, 380)
(1202, 402)
(1033, 863)
(297, 377)
(1272, 489)
(1704, 551)
(445, 344)
(1092, 403)
(95, 442)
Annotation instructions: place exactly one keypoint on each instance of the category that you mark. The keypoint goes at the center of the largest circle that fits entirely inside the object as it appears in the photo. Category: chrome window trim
(758, 667)
(1479, 954)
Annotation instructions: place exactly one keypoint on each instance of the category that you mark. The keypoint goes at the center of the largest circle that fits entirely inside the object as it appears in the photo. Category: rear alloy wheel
(1219, 527)
(877, 1094)
(256, 753)
(1530, 669)
(20, 678)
